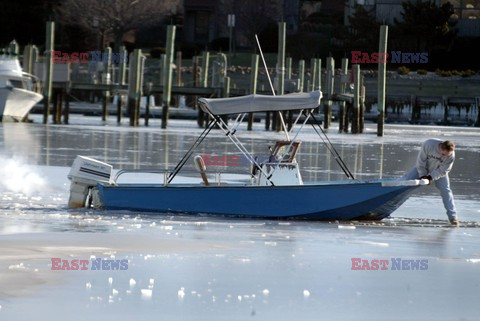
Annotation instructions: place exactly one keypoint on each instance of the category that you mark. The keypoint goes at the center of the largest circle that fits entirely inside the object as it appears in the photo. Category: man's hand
(427, 177)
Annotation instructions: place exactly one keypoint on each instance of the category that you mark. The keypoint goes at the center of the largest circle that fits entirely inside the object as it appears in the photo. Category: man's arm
(443, 169)
(422, 161)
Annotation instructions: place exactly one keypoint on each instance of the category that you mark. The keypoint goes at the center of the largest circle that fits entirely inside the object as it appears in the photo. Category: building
(291, 14)
(200, 23)
(206, 20)
(468, 14)
(386, 11)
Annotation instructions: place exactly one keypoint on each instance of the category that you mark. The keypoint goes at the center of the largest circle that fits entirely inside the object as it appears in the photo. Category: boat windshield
(285, 151)
(16, 83)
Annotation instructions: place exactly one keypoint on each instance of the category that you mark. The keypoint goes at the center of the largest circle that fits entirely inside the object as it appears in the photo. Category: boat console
(282, 167)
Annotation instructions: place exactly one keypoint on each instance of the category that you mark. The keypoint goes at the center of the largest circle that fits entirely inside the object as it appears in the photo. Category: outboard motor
(86, 173)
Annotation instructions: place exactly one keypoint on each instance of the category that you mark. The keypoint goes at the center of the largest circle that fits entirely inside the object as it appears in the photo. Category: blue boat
(333, 201)
(275, 191)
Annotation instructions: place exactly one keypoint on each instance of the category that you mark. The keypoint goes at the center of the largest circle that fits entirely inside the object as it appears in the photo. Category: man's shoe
(454, 222)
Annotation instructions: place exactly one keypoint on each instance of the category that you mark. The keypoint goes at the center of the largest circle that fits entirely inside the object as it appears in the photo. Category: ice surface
(146, 293)
(230, 269)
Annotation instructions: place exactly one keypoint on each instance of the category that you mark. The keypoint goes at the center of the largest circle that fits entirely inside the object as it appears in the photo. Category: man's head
(446, 148)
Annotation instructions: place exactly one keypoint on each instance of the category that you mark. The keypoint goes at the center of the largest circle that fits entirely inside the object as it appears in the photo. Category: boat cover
(258, 103)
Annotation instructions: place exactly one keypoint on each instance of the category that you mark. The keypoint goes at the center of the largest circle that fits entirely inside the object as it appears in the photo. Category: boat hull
(15, 103)
(332, 201)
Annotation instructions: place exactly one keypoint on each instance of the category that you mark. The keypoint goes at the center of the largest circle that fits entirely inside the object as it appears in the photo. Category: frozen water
(187, 268)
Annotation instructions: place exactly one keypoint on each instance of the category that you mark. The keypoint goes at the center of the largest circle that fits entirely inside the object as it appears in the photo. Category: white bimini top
(259, 103)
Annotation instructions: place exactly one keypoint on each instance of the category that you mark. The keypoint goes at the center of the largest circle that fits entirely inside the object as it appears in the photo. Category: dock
(349, 93)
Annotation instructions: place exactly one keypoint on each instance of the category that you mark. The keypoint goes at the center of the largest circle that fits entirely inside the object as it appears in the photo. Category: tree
(251, 17)
(363, 31)
(425, 26)
(256, 15)
(24, 20)
(115, 16)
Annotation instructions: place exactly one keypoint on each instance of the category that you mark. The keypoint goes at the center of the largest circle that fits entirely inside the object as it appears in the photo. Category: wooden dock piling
(122, 66)
(163, 68)
(167, 74)
(226, 88)
(54, 105)
(35, 56)
(195, 70)
(121, 78)
(282, 27)
(319, 75)
(301, 74)
(178, 63)
(28, 59)
(342, 113)
(318, 84)
(282, 31)
(226, 94)
(445, 110)
(178, 75)
(13, 48)
(196, 81)
(288, 66)
(253, 85)
(205, 66)
(267, 120)
(329, 81)
(134, 87)
(58, 97)
(289, 118)
(47, 86)
(416, 109)
(148, 94)
(356, 99)
(382, 72)
(313, 74)
(119, 108)
(477, 104)
(203, 73)
(106, 79)
(66, 110)
(361, 118)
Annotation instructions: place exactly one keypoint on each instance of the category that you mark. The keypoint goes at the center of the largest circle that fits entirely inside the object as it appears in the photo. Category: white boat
(17, 90)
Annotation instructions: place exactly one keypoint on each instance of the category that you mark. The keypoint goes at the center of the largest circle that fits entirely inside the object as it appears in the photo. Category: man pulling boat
(434, 162)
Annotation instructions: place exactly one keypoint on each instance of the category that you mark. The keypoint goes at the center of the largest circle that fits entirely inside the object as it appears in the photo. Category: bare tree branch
(115, 16)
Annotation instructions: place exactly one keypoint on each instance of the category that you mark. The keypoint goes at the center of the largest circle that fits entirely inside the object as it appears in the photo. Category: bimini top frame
(258, 103)
(241, 106)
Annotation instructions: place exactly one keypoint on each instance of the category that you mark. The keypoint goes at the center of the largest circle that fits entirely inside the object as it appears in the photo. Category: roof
(258, 103)
(10, 67)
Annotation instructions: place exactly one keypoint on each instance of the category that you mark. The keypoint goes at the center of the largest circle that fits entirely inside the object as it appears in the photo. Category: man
(434, 162)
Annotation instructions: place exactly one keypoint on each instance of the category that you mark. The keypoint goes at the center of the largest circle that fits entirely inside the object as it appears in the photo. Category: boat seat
(201, 168)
